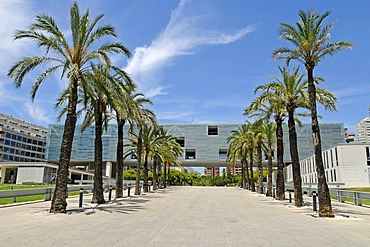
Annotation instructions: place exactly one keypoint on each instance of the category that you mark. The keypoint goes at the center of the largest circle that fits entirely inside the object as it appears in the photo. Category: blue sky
(199, 61)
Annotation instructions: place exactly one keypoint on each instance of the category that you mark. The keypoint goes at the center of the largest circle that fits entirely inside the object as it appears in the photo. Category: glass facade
(201, 143)
(21, 141)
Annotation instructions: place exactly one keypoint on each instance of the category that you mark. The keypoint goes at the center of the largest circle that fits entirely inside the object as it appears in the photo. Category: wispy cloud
(182, 36)
(35, 112)
(349, 95)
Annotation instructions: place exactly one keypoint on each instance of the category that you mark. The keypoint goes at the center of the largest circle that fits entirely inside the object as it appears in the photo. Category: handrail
(47, 192)
(341, 194)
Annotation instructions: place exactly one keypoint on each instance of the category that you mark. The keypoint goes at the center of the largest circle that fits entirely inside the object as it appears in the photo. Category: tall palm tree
(99, 94)
(142, 117)
(125, 108)
(237, 151)
(258, 137)
(265, 106)
(292, 89)
(269, 128)
(311, 44)
(73, 60)
(170, 156)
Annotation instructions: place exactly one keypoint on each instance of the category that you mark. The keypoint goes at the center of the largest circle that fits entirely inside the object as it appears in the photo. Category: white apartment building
(363, 130)
(347, 165)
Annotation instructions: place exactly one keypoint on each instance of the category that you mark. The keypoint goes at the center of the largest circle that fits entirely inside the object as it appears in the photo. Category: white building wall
(344, 163)
(30, 174)
(352, 167)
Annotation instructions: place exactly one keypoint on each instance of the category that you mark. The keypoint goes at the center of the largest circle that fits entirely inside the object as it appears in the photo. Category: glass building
(21, 141)
(203, 144)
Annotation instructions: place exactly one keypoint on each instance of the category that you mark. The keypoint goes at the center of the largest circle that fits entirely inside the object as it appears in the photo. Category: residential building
(21, 141)
(212, 171)
(363, 130)
(346, 165)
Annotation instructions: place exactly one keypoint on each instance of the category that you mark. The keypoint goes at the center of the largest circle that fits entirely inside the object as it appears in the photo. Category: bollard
(273, 192)
(81, 197)
(128, 190)
(290, 197)
(314, 204)
(110, 193)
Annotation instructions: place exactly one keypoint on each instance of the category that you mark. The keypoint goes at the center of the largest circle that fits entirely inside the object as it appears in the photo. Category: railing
(341, 194)
(47, 192)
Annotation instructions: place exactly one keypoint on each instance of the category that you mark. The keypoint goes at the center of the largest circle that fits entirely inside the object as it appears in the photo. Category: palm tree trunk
(297, 180)
(243, 175)
(280, 187)
(146, 182)
(325, 209)
(160, 184)
(119, 172)
(98, 192)
(165, 175)
(259, 166)
(253, 188)
(169, 175)
(155, 178)
(59, 202)
(138, 161)
(269, 170)
(246, 175)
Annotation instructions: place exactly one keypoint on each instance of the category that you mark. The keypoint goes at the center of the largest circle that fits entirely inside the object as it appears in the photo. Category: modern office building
(346, 165)
(350, 136)
(204, 145)
(21, 141)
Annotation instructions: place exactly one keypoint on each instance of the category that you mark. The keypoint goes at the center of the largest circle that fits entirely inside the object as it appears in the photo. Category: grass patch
(351, 200)
(361, 189)
(23, 186)
(20, 199)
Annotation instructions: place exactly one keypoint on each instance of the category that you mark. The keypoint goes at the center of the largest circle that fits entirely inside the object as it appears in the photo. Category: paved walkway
(184, 216)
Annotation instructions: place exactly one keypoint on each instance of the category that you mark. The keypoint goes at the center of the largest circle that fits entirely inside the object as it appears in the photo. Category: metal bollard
(81, 197)
(290, 197)
(110, 193)
(314, 203)
(273, 192)
(128, 190)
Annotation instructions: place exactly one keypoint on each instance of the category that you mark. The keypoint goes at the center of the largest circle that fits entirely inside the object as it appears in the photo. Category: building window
(212, 130)
(190, 154)
(335, 176)
(368, 155)
(222, 154)
(181, 141)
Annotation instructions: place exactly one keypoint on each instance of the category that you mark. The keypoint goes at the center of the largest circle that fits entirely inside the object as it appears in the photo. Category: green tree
(74, 60)
(311, 44)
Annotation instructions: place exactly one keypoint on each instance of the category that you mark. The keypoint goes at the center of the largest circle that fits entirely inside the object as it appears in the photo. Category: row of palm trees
(285, 97)
(98, 91)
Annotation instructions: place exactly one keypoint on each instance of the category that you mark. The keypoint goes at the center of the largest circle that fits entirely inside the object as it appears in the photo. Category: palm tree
(265, 106)
(258, 137)
(311, 44)
(74, 60)
(142, 116)
(291, 89)
(170, 156)
(269, 129)
(99, 93)
(125, 107)
(237, 151)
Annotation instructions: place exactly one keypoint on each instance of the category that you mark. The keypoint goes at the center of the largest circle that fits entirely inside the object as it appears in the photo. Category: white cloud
(174, 115)
(35, 112)
(182, 35)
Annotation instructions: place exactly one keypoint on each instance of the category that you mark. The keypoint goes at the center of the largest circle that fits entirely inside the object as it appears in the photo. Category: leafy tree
(74, 60)
(311, 44)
